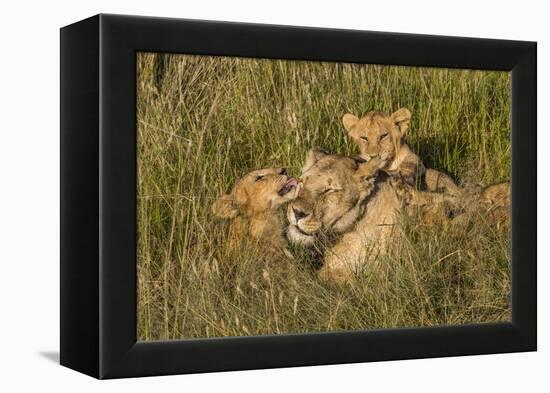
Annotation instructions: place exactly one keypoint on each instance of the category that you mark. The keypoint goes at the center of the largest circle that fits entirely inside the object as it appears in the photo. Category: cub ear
(312, 157)
(349, 121)
(226, 207)
(402, 118)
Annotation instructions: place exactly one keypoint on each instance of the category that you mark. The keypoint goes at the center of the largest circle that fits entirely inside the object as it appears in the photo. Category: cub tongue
(292, 182)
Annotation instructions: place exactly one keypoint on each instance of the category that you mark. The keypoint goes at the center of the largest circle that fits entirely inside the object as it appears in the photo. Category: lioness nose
(298, 214)
(283, 171)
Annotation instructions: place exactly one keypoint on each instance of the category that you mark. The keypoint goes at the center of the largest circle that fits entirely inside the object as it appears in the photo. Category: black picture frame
(98, 196)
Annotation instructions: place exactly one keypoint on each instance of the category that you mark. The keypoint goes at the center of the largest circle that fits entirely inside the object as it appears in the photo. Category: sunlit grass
(205, 121)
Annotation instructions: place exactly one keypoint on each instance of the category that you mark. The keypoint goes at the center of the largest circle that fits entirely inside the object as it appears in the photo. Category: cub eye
(259, 177)
(384, 136)
(364, 138)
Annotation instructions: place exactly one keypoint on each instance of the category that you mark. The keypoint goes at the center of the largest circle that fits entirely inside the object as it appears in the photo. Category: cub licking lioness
(351, 206)
(252, 205)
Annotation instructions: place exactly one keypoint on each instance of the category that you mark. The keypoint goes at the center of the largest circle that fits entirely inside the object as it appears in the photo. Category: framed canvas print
(239, 196)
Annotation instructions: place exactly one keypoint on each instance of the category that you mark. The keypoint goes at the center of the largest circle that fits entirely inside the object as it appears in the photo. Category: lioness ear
(313, 156)
(402, 118)
(349, 121)
(225, 207)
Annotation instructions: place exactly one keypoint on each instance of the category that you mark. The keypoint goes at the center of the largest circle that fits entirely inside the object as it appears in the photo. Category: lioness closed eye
(252, 203)
(380, 135)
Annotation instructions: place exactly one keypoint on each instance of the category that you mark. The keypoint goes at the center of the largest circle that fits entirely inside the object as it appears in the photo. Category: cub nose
(298, 214)
(283, 171)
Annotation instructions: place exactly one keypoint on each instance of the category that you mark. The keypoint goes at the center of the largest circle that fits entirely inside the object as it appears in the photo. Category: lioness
(342, 196)
(252, 204)
(380, 135)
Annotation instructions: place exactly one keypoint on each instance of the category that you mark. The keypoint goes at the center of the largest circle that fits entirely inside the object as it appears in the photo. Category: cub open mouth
(289, 185)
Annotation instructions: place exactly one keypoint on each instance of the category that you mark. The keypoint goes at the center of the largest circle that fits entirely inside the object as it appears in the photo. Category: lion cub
(252, 206)
(380, 135)
(490, 202)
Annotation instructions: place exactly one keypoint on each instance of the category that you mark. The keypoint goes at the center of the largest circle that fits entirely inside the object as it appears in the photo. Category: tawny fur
(252, 206)
(344, 197)
(381, 135)
(433, 208)
(359, 210)
(369, 238)
(490, 203)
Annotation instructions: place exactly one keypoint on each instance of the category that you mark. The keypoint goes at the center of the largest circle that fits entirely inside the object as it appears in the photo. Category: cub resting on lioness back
(379, 135)
(349, 211)
(252, 206)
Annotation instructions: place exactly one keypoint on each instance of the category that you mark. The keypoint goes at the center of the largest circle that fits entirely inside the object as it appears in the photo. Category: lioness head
(377, 134)
(258, 191)
(332, 195)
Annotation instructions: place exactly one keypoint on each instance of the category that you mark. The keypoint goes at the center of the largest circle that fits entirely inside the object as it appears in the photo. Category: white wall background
(29, 193)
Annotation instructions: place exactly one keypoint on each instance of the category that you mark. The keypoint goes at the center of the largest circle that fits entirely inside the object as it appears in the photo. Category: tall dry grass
(205, 121)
